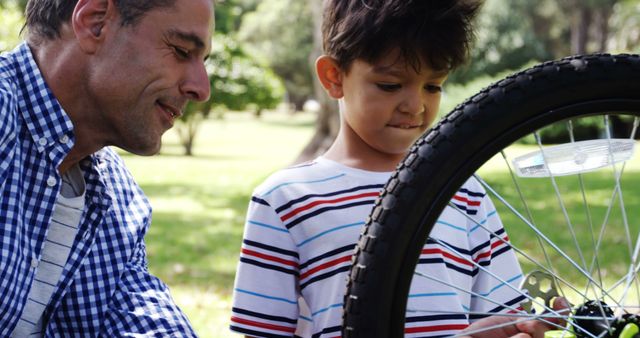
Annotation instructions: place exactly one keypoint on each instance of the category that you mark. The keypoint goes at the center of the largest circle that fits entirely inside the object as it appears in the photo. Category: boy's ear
(90, 20)
(330, 76)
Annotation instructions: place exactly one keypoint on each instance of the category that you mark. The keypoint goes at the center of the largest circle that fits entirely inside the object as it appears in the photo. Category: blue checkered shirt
(105, 288)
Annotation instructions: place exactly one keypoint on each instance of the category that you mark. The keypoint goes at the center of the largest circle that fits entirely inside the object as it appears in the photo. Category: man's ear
(330, 76)
(90, 21)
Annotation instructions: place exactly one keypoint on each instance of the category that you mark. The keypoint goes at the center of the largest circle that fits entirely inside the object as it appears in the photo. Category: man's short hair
(439, 32)
(44, 17)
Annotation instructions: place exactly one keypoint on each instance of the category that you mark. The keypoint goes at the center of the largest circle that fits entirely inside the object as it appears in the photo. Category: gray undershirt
(55, 252)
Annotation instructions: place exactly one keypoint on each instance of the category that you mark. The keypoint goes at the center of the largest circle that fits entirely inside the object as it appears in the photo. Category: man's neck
(65, 79)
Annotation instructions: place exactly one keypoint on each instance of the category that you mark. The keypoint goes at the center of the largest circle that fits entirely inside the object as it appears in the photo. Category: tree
(280, 33)
(625, 27)
(328, 119)
(510, 33)
(12, 21)
(237, 82)
(589, 24)
(229, 13)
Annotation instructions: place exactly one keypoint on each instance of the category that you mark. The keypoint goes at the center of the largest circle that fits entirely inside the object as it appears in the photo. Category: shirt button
(64, 139)
(34, 262)
(42, 141)
(51, 181)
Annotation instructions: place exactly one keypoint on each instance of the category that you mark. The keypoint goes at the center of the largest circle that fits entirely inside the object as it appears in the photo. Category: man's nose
(196, 85)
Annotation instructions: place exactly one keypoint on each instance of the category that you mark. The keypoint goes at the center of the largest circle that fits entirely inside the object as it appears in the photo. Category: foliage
(507, 39)
(281, 33)
(625, 23)
(12, 21)
(237, 83)
(228, 14)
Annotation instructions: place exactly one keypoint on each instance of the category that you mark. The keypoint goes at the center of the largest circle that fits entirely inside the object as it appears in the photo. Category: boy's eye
(388, 87)
(433, 89)
(181, 52)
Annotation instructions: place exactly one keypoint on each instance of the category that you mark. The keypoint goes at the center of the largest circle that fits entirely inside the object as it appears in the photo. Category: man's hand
(525, 329)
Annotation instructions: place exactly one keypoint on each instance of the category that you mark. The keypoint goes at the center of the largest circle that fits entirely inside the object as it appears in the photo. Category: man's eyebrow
(189, 37)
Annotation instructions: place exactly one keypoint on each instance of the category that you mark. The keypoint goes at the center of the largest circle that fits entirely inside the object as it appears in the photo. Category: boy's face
(388, 104)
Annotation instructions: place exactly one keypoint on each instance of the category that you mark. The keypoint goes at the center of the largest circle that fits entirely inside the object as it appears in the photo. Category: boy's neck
(356, 154)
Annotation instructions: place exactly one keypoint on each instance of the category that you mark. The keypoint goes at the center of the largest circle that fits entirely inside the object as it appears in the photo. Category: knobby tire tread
(442, 159)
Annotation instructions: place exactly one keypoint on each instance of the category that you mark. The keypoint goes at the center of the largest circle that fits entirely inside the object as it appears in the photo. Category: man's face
(143, 76)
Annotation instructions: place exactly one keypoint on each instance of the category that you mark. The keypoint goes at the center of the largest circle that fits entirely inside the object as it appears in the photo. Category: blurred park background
(266, 112)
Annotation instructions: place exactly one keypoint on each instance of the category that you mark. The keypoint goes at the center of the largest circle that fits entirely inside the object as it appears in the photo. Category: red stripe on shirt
(466, 200)
(325, 265)
(269, 257)
(448, 255)
(337, 200)
(482, 255)
(434, 328)
(498, 242)
(263, 325)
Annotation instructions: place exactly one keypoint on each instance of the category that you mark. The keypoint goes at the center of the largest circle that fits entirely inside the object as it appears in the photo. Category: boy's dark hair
(438, 31)
(44, 17)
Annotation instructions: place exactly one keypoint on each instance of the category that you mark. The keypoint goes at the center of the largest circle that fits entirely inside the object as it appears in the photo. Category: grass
(200, 202)
(199, 205)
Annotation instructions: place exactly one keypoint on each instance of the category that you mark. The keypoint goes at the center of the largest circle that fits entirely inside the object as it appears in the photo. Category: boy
(386, 61)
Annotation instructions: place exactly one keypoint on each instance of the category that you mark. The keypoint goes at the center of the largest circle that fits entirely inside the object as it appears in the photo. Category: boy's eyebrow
(440, 73)
(391, 70)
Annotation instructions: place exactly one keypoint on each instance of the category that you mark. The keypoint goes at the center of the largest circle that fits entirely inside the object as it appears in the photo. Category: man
(91, 73)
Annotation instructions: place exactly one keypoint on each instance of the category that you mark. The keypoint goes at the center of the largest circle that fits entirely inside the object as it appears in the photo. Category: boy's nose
(414, 104)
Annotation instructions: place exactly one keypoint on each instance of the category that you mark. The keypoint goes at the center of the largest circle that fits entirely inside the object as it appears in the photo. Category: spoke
(595, 262)
(471, 293)
(568, 221)
(617, 175)
(519, 251)
(532, 316)
(541, 317)
(631, 277)
(560, 201)
(541, 235)
(530, 215)
(544, 315)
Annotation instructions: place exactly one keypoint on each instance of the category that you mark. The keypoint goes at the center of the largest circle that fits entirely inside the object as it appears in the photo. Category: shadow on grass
(196, 248)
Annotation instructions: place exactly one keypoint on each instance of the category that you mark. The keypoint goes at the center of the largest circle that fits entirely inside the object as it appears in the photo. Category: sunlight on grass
(199, 205)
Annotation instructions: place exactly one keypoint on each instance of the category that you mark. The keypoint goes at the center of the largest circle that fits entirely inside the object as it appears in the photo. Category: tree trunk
(601, 33)
(328, 120)
(580, 28)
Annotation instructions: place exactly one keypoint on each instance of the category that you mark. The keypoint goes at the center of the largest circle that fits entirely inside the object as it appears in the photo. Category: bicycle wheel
(570, 206)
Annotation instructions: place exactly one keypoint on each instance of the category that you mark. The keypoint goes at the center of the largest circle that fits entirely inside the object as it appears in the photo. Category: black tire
(449, 153)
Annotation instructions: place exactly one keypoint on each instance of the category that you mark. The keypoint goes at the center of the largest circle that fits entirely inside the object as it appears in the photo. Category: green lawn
(199, 205)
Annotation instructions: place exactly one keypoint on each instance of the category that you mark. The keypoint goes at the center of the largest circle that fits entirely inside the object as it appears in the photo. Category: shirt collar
(49, 125)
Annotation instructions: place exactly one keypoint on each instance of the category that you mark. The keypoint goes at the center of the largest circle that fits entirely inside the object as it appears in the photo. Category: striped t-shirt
(302, 226)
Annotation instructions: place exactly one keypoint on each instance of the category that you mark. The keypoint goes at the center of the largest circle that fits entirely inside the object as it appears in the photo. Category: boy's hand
(526, 329)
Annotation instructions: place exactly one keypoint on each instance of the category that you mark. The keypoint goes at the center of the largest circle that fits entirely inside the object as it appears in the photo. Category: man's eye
(388, 87)
(433, 89)
(181, 52)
